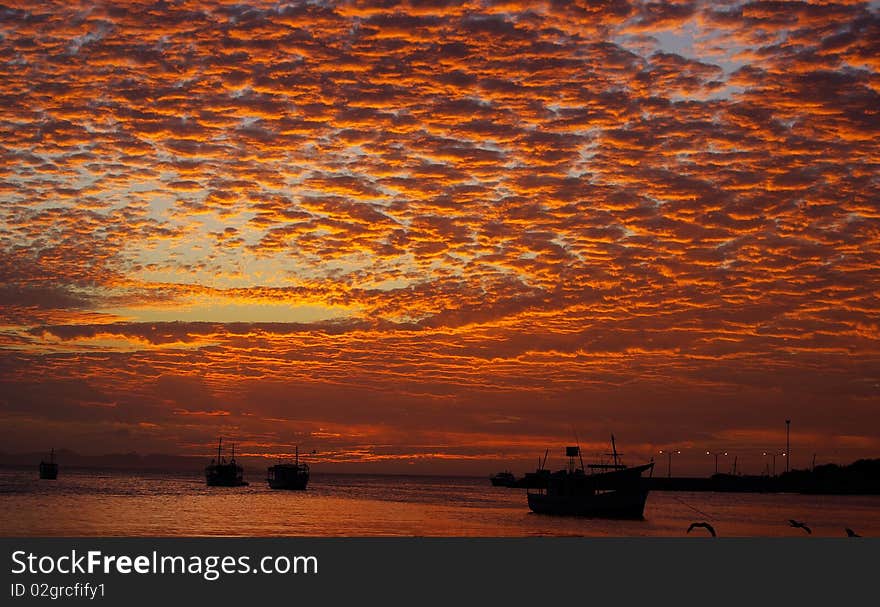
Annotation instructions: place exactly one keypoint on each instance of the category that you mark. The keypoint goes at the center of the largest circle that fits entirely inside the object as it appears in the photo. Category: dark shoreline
(862, 477)
(755, 484)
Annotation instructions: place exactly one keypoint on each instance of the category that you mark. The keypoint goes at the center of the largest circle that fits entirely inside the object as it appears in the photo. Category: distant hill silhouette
(123, 461)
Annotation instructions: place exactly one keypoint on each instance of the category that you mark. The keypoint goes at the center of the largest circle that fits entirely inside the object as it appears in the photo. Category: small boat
(49, 470)
(608, 491)
(220, 473)
(289, 476)
(503, 479)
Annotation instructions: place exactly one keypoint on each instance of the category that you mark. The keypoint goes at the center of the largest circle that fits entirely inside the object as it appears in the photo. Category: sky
(441, 235)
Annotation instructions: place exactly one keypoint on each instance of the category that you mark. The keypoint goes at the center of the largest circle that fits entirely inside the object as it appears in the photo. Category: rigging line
(697, 510)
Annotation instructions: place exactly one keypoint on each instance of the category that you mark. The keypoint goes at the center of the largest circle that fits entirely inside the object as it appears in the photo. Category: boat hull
(294, 477)
(48, 471)
(293, 485)
(610, 504)
(224, 475)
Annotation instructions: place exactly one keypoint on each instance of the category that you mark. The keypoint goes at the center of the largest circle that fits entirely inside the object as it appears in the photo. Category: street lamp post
(773, 455)
(669, 453)
(716, 454)
(787, 443)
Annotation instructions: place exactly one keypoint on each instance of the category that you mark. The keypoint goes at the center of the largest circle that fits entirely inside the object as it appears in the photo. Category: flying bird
(799, 525)
(706, 525)
(851, 533)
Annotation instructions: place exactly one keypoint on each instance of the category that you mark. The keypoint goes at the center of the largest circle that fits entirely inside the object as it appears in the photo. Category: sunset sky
(449, 234)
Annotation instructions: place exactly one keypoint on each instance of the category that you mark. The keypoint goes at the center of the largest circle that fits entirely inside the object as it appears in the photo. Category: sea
(83, 502)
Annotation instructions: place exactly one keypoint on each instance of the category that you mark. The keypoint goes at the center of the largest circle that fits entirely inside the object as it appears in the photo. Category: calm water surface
(114, 503)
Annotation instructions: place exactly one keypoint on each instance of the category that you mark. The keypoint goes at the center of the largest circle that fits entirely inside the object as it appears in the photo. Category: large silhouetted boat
(222, 473)
(49, 470)
(289, 476)
(608, 491)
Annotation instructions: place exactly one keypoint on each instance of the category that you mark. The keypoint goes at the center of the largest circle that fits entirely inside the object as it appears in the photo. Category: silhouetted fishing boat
(221, 473)
(609, 491)
(289, 476)
(49, 470)
(503, 479)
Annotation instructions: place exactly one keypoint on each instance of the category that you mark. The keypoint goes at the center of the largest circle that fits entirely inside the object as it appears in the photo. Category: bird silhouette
(851, 533)
(704, 524)
(799, 525)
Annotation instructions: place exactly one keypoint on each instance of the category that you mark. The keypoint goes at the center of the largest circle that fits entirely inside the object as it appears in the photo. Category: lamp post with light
(716, 454)
(773, 455)
(669, 453)
(787, 443)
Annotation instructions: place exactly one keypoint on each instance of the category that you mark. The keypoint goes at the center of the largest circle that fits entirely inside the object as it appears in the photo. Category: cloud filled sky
(440, 232)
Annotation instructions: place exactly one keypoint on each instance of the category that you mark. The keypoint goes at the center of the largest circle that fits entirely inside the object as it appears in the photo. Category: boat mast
(614, 449)
(219, 447)
(297, 455)
(571, 453)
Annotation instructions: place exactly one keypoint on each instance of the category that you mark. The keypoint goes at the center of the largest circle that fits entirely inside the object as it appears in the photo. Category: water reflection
(90, 503)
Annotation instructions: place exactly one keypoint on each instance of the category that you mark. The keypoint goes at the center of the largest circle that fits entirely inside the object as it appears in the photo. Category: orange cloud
(406, 224)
